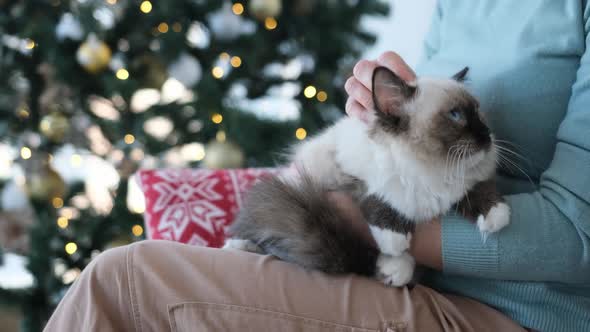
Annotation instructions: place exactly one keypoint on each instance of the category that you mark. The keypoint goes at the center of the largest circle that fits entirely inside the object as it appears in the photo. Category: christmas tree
(92, 90)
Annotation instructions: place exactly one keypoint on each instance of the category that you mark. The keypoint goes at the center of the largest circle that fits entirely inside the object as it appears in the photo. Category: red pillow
(195, 206)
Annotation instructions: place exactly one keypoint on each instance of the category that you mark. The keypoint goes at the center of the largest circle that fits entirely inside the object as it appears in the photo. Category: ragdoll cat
(425, 150)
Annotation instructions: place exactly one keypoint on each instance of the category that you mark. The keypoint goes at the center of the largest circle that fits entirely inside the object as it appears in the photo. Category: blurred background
(93, 90)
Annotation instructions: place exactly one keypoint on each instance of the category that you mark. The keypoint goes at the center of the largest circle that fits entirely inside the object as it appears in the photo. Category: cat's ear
(390, 92)
(460, 76)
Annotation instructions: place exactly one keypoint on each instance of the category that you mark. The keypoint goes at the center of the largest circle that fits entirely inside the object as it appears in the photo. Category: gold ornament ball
(45, 184)
(94, 55)
(262, 9)
(224, 154)
(54, 126)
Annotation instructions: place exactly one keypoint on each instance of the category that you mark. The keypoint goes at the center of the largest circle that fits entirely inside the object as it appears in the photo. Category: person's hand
(358, 86)
(352, 214)
(426, 244)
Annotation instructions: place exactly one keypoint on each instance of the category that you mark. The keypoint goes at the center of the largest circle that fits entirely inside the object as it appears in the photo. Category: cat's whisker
(461, 165)
(469, 153)
(504, 151)
(514, 167)
(467, 158)
(455, 164)
(512, 152)
(512, 144)
(447, 163)
(502, 144)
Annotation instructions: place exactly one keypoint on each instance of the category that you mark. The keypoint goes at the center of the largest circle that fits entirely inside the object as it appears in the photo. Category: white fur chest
(418, 191)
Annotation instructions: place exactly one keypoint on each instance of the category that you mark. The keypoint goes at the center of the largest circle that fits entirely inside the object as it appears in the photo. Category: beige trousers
(166, 286)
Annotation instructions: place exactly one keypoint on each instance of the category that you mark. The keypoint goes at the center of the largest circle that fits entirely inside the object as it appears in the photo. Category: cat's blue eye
(455, 115)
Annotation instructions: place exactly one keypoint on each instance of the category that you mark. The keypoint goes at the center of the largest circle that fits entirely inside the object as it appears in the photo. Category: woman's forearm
(426, 246)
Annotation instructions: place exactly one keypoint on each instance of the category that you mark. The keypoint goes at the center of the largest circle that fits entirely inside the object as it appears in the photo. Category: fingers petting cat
(359, 86)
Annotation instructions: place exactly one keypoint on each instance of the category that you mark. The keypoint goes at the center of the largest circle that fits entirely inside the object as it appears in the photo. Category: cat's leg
(244, 245)
(392, 233)
(395, 270)
(484, 204)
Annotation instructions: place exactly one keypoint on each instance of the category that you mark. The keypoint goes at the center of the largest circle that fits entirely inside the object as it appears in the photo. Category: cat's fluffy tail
(297, 222)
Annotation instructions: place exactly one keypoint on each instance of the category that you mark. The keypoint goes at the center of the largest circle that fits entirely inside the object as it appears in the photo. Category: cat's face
(438, 119)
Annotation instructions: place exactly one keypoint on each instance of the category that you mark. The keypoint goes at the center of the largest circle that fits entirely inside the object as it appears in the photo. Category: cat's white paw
(496, 219)
(395, 270)
(390, 242)
(244, 245)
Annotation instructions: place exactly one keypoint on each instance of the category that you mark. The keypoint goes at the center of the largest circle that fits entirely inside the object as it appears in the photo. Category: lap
(180, 287)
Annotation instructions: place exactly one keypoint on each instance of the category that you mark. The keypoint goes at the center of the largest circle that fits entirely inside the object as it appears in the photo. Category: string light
(163, 27)
(217, 118)
(137, 154)
(236, 61)
(5, 166)
(112, 2)
(30, 44)
(117, 155)
(270, 23)
(62, 222)
(122, 74)
(138, 209)
(25, 153)
(57, 202)
(224, 56)
(300, 133)
(67, 213)
(76, 160)
(177, 27)
(193, 152)
(23, 113)
(129, 139)
(137, 230)
(309, 91)
(71, 248)
(220, 136)
(146, 7)
(217, 72)
(20, 180)
(237, 8)
(322, 96)
(70, 276)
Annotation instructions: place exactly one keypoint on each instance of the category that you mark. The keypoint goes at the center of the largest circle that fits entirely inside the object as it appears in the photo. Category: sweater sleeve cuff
(464, 250)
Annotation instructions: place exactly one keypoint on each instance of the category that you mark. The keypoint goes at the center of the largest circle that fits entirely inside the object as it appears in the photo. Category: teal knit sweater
(530, 67)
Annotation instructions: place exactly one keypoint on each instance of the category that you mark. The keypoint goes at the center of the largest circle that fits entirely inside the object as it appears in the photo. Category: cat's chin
(482, 165)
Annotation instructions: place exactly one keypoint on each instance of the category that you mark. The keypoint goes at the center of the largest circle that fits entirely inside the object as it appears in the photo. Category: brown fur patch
(379, 213)
(480, 199)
